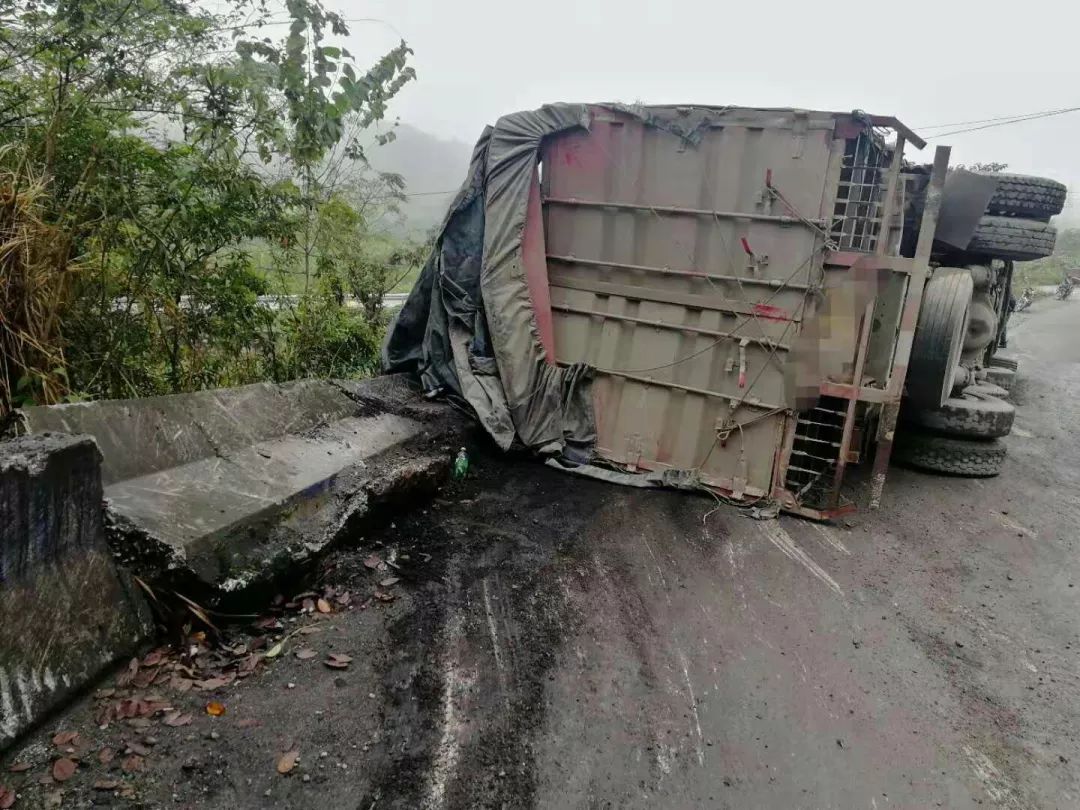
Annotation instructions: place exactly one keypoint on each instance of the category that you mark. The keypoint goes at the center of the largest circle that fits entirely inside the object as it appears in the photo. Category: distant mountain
(428, 164)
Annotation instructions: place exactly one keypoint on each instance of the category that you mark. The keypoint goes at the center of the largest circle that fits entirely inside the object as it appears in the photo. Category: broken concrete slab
(232, 487)
(65, 612)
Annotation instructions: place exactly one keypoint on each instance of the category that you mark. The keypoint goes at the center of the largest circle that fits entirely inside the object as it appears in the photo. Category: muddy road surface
(551, 642)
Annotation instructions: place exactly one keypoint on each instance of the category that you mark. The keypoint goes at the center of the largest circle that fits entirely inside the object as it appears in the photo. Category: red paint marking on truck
(771, 313)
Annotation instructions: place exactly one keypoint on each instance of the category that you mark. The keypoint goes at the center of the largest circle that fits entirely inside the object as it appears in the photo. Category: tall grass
(36, 275)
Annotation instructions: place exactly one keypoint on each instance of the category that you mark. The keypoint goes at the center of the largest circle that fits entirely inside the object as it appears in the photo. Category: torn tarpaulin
(468, 326)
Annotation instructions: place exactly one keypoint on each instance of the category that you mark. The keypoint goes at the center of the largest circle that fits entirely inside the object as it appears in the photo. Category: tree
(156, 287)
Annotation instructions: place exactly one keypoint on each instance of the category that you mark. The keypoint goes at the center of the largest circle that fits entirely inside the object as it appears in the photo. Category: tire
(1000, 361)
(1022, 240)
(939, 337)
(972, 458)
(1021, 195)
(974, 415)
(1003, 377)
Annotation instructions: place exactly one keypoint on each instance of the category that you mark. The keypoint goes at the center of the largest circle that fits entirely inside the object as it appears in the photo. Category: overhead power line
(1018, 120)
(1014, 116)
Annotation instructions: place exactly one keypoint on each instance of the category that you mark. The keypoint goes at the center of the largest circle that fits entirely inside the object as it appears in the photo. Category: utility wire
(1015, 116)
(1034, 117)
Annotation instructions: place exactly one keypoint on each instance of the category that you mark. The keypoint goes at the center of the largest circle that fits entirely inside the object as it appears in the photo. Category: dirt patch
(439, 703)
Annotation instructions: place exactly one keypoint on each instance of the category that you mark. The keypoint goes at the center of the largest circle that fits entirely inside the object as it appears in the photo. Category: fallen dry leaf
(248, 665)
(344, 598)
(154, 658)
(124, 678)
(373, 561)
(177, 719)
(248, 722)
(7, 798)
(132, 764)
(323, 606)
(182, 685)
(212, 683)
(306, 654)
(309, 629)
(137, 748)
(144, 678)
(105, 693)
(215, 709)
(63, 769)
(106, 784)
(337, 661)
(275, 651)
(106, 755)
(287, 761)
(384, 596)
(19, 767)
(65, 738)
(386, 583)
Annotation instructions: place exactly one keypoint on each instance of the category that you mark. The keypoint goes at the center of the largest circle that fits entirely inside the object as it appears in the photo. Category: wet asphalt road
(928, 656)
(570, 644)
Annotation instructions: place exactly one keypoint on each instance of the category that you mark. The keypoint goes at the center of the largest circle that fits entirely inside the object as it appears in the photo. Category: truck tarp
(468, 327)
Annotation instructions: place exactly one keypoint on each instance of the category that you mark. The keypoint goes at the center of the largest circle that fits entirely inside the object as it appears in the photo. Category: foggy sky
(928, 63)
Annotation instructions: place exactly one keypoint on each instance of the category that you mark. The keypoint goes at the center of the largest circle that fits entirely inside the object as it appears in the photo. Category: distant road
(390, 301)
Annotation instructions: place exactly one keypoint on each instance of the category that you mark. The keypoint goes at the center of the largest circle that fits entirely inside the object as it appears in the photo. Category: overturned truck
(743, 300)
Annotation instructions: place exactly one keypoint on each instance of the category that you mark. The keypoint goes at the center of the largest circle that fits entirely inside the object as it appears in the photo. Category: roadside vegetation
(1052, 269)
(185, 200)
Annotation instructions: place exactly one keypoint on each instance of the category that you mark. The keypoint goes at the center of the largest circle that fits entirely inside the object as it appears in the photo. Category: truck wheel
(1000, 361)
(1004, 377)
(1021, 195)
(975, 415)
(973, 458)
(939, 336)
(1009, 238)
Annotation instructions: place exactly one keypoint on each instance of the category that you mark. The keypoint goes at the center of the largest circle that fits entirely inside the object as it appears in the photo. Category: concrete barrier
(65, 612)
(234, 486)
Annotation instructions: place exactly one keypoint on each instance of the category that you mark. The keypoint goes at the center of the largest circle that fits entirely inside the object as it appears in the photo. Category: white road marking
(830, 538)
(993, 780)
(456, 682)
(693, 708)
(494, 637)
(659, 570)
(782, 540)
(1016, 527)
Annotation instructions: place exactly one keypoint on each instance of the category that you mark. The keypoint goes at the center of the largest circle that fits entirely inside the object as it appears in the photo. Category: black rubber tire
(1004, 377)
(1021, 240)
(1021, 195)
(939, 336)
(971, 458)
(1000, 361)
(974, 415)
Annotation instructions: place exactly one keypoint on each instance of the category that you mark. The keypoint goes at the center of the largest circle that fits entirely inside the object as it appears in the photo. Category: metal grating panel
(860, 197)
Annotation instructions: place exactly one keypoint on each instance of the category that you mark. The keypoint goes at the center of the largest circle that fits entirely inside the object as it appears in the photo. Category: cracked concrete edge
(66, 613)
